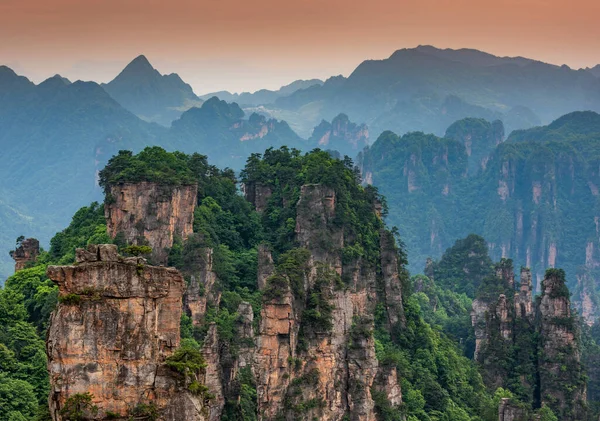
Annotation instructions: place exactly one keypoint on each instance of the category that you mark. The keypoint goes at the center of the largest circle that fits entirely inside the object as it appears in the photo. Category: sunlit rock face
(151, 213)
(116, 323)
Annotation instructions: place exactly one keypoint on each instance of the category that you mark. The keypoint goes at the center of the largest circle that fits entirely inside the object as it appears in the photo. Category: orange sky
(247, 45)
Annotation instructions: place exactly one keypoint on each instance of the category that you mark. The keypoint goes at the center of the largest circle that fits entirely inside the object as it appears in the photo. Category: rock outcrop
(258, 194)
(116, 323)
(151, 213)
(341, 135)
(27, 251)
(562, 385)
(507, 411)
(548, 368)
(324, 368)
(266, 267)
(201, 290)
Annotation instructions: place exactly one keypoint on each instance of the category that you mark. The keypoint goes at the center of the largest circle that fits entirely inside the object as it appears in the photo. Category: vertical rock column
(28, 251)
(562, 383)
(151, 213)
(116, 323)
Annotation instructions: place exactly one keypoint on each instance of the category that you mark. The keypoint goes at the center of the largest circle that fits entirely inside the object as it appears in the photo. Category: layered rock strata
(116, 323)
(151, 213)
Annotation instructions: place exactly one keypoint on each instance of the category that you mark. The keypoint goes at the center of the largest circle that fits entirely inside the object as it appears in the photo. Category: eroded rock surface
(151, 213)
(116, 323)
(27, 252)
(309, 371)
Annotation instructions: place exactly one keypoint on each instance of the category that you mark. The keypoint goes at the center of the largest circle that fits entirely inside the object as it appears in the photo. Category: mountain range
(55, 136)
(151, 96)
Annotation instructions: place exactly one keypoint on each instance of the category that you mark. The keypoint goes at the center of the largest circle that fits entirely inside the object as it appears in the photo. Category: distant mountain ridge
(153, 97)
(410, 90)
(263, 96)
(595, 70)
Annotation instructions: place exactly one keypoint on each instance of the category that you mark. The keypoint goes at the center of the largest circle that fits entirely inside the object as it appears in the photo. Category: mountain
(55, 137)
(153, 97)
(426, 89)
(535, 199)
(340, 135)
(344, 332)
(217, 129)
(576, 126)
(480, 138)
(595, 70)
(263, 96)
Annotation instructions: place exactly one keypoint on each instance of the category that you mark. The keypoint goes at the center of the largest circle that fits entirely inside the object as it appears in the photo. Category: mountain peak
(139, 65)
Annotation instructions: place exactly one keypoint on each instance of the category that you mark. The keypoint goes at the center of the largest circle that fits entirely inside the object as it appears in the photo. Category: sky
(248, 45)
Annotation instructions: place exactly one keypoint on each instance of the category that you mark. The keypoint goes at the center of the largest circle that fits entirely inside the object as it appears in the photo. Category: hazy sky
(247, 45)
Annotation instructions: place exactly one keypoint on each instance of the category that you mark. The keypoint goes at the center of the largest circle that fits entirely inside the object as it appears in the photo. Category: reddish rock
(151, 213)
(26, 252)
(110, 335)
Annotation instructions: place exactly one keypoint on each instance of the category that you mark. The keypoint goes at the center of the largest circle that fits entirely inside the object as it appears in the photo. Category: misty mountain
(263, 96)
(153, 97)
(427, 89)
(54, 137)
(576, 127)
(595, 70)
(217, 129)
(341, 135)
(534, 198)
(57, 135)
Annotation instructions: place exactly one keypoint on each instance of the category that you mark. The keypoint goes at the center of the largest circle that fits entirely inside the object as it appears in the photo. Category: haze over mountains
(151, 96)
(55, 136)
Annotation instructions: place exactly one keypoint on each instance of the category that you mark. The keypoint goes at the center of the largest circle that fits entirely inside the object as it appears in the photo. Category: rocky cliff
(116, 324)
(26, 252)
(151, 213)
(530, 348)
(315, 355)
(562, 384)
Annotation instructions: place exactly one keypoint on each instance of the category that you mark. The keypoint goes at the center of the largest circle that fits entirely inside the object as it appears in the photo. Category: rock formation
(507, 411)
(201, 289)
(151, 213)
(548, 368)
(258, 194)
(341, 135)
(266, 268)
(116, 323)
(314, 368)
(27, 251)
(561, 380)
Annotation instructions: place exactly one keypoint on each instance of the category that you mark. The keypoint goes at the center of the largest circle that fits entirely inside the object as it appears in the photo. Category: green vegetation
(430, 351)
(134, 250)
(145, 411)
(536, 193)
(153, 164)
(26, 301)
(79, 407)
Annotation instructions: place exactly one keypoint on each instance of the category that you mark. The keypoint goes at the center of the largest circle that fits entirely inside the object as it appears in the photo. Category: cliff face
(151, 213)
(201, 289)
(480, 137)
(258, 194)
(307, 367)
(116, 323)
(536, 346)
(560, 351)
